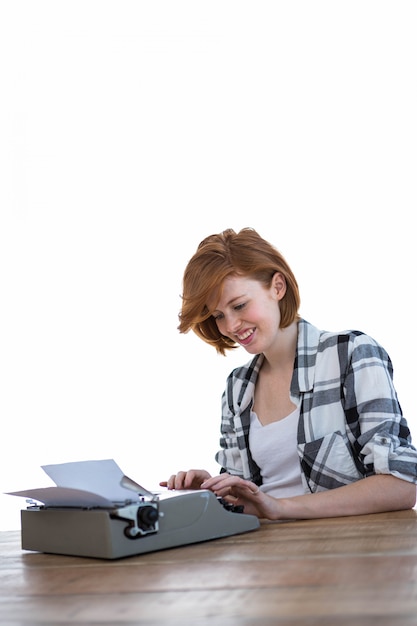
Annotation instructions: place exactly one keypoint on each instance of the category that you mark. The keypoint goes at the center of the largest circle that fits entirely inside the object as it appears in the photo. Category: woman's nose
(232, 323)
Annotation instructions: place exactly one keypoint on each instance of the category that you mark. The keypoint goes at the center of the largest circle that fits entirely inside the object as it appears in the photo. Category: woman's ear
(279, 285)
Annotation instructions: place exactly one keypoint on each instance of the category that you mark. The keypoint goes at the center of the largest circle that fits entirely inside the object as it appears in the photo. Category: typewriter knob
(147, 517)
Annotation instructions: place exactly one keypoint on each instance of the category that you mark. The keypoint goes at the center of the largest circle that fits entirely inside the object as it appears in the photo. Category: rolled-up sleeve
(382, 437)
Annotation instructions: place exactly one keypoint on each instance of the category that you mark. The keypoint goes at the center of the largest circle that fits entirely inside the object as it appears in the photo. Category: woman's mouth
(245, 337)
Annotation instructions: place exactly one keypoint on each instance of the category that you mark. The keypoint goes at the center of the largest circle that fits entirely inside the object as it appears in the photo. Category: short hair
(226, 254)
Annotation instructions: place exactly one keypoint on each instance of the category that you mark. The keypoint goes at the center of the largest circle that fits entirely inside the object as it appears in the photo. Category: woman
(311, 426)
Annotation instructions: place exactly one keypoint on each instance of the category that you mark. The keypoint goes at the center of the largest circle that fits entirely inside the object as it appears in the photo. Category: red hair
(218, 256)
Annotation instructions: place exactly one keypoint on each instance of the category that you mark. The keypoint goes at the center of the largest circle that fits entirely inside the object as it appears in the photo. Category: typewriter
(72, 520)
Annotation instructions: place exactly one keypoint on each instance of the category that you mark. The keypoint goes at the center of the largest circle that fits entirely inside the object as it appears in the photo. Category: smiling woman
(329, 396)
(221, 259)
(128, 123)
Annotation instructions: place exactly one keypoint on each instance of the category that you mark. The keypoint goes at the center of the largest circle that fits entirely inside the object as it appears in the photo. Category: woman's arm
(375, 494)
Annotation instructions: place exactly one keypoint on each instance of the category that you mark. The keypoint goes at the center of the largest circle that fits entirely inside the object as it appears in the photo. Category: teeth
(245, 335)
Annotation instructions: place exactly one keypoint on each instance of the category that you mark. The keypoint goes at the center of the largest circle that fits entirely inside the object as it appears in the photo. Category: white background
(131, 130)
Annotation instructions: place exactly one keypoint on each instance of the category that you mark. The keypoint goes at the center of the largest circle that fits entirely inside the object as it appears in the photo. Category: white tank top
(274, 449)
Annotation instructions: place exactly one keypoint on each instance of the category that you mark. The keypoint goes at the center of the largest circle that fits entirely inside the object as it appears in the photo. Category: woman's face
(248, 312)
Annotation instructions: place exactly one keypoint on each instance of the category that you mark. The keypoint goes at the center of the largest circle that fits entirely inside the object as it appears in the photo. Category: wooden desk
(358, 571)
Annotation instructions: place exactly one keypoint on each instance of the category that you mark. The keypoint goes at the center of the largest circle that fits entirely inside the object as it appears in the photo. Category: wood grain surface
(347, 571)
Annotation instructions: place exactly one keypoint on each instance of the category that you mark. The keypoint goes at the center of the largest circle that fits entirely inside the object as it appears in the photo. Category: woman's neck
(283, 356)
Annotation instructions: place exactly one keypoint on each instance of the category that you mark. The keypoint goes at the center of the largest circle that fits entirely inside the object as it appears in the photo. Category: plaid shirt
(351, 425)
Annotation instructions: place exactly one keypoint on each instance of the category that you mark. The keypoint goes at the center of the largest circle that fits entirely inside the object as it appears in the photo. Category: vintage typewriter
(69, 519)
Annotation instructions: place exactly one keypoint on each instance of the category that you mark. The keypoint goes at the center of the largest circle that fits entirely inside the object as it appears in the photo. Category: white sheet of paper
(63, 496)
(99, 477)
(84, 484)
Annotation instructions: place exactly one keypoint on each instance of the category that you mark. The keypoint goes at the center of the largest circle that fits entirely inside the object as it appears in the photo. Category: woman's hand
(244, 493)
(186, 480)
(232, 488)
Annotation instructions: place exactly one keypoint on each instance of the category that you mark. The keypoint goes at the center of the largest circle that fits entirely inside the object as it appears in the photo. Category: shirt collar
(305, 358)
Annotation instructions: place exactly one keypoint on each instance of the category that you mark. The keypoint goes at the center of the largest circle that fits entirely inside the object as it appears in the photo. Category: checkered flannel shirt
(351, 425)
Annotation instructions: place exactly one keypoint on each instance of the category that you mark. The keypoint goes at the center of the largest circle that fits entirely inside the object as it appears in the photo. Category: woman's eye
(239, 307)
(217, 317)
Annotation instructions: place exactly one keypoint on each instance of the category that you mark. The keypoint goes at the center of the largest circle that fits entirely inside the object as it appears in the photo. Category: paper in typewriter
(82, 484)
